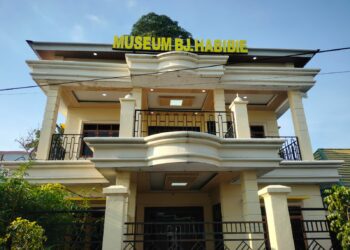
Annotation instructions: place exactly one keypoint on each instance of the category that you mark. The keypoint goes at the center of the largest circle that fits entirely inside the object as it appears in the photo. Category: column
(49, 123)
(251, 205)
(240, 114)
(277, 214)
(127, 113)
(114, 217)
(300, 125)
(220, 118)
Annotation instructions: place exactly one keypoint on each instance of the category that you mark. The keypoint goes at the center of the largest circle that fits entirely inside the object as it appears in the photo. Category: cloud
(96, 19)
(78, 33)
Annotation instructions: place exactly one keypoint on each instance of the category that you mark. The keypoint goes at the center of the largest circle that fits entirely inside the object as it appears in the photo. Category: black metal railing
(318, 236)
(149, 122)
(68, 147)
(194, 235)
(290, 149)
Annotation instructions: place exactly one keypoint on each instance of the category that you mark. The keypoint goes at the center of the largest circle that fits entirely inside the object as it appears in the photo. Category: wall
(77, 116)
(267, 119)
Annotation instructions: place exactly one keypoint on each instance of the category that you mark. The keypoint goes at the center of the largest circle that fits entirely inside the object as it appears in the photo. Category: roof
(337, 154)
(47, 50)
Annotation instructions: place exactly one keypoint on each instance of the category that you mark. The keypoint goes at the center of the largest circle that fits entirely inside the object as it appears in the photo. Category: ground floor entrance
(173, 227)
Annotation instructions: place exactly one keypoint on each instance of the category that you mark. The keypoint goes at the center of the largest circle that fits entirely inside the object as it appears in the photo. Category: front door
(174, 228)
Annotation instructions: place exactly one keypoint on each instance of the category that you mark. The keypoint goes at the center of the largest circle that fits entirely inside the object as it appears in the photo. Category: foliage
(24, 234)
(30, 142)
(158, 26)
(19, 198)
(338, 202)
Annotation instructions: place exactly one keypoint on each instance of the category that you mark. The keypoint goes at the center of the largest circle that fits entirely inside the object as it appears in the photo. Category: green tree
(338, 203)
(158, 26)
(19, 198)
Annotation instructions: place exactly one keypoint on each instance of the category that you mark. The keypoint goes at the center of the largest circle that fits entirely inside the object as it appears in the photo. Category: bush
(24, 234)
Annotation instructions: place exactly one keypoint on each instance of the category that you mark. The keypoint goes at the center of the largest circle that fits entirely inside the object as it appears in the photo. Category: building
(337, 154)
(184, 146)
(13, 155)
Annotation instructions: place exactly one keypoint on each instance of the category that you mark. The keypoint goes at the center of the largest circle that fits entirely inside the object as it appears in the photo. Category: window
(97, 130)
(257, 131)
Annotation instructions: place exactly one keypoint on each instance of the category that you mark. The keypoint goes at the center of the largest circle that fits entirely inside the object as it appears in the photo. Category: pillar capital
(116, 190)
(274, 189)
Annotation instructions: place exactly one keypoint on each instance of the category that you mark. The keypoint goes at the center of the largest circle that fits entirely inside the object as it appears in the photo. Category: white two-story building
(183, 149)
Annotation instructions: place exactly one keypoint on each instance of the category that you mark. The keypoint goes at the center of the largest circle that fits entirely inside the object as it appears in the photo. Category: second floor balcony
(150, 122)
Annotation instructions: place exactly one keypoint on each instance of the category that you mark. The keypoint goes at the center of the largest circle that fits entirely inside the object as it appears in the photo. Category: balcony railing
(194, 235)
(149, 122)
(68, 147)
(290, 149)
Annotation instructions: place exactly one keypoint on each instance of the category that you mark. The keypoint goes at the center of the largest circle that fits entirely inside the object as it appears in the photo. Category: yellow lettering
(224, 45)
(138, 42)
(156, 45)
(178, 44)
(146, 43)
(188, 45)
(243, 46)
(129, 42)
(118, 42)
(198, 45)
(217, 46)
(208, 46)
(166, 43)
(231, 46)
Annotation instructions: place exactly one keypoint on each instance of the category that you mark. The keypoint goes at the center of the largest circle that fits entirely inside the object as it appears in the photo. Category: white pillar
(220, 118)
(251, 205)
(240, 114)
(49, 123)
(300, 125)
(114, 217)
(277, 214)
(127, 113)
(250, 197)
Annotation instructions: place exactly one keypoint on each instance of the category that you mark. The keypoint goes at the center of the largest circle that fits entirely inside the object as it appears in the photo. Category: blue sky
(311, 24)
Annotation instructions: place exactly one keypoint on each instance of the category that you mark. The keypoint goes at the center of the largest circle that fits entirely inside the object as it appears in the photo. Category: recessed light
(104, 94)
(196, 113)
(95, 54)
(245, 97)
(176, 102)
(203, 90)
(152, 113)
(254, 58)
(151, 90)
(179, 184)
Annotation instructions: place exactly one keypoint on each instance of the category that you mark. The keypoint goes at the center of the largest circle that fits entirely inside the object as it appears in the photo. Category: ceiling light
(151, 90)
(254, 58)
(104, 94)
(245, 97)
(179, 184)
(203, 90)
(176, 102)
(95, 54)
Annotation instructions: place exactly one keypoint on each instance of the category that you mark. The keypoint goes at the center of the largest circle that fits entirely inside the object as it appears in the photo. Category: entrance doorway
(174, 228)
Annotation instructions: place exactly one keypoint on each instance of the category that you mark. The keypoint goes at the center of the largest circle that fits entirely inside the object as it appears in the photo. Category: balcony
(150, 122)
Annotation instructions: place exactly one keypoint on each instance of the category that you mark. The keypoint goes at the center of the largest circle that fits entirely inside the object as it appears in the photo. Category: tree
(19, 198)
(30, 142)
(158, 26)
(338, 202)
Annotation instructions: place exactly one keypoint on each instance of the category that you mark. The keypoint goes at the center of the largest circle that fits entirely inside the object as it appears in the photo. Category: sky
(299, 24)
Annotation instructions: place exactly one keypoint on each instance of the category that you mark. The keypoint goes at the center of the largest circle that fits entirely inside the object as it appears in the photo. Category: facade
(184, 146)
(337, 154)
